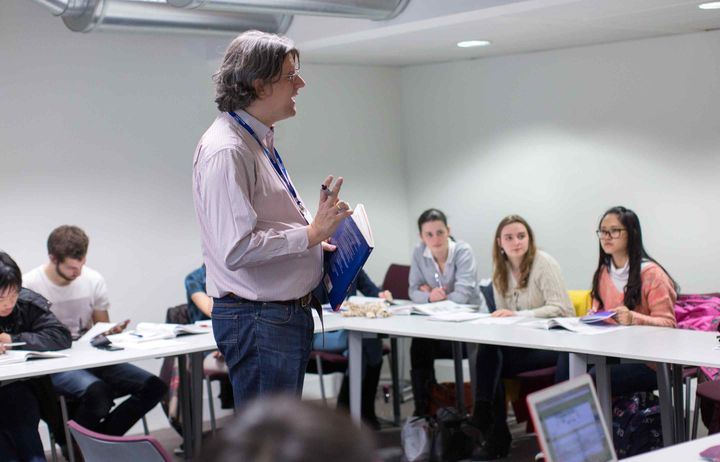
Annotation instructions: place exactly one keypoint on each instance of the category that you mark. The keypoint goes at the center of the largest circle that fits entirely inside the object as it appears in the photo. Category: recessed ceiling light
(473, 43)
(710, 6)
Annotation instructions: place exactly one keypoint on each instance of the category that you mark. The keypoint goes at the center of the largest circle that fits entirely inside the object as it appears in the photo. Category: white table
(651, 344)
(685, 452)
(189, 350)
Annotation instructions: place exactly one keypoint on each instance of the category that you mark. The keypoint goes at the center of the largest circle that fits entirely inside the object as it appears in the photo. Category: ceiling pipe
(360, 9)
(90, 15)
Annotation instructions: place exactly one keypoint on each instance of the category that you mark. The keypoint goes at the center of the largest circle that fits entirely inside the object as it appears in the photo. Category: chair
(97, 447)
(214, 369)
(337, 361)
(396, 281)
(709, 392)
(66, 424)
(581, 300)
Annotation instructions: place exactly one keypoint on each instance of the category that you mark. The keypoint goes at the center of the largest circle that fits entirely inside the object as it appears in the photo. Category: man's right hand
(330, 213)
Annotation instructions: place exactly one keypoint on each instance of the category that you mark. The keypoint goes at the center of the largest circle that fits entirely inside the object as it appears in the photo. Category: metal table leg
(459, 381)
(196, 394)
(602, 381)
(666, 405)
(678, 405)
(395, 373)
(186, 408)
(355, 358)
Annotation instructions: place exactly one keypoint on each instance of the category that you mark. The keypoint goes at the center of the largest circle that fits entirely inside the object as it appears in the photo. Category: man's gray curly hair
(251, 56)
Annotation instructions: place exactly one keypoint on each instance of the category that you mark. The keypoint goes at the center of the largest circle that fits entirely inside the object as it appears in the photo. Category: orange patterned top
(657, 303)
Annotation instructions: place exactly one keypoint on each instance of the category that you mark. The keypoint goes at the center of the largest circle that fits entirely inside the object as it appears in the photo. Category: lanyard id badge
(278, 166)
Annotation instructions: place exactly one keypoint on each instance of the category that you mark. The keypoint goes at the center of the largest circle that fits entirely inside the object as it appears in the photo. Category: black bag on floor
(636, 424)
(452, 442)
(443, 437)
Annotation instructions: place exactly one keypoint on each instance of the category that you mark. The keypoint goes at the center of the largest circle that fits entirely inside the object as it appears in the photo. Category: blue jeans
(19, 438)
(266, 345)
(96, 389)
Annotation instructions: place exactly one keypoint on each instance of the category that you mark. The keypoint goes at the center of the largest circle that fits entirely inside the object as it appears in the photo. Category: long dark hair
(636, 254)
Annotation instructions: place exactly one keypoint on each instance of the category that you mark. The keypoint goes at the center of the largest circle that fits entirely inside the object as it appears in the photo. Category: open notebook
(18, 356)
(149, 331)
(569, 423)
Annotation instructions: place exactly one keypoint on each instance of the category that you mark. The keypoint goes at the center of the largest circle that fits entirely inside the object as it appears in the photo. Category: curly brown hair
(251, 56)
(68, 242)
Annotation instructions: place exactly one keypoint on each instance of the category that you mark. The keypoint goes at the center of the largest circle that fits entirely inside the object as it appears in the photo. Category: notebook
(569, 423)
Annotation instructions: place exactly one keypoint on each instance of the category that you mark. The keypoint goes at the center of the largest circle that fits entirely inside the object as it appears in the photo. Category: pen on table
(136, 334)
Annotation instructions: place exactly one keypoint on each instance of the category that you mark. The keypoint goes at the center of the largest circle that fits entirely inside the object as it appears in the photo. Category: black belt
(305, 301)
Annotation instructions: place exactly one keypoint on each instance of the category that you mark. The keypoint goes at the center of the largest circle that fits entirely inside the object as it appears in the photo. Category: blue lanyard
(277, 164)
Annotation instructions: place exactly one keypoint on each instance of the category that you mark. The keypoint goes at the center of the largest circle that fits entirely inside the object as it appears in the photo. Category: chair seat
(214, 368)
(328, 356)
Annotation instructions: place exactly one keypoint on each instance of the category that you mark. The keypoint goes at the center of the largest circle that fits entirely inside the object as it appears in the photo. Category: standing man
(79, 299)
(262, 248)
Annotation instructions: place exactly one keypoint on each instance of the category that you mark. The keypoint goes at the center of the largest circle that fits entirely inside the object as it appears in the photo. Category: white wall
(561, 136)
(99, 129)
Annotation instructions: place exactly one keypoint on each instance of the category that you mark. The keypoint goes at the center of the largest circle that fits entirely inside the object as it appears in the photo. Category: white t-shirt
(74, 303)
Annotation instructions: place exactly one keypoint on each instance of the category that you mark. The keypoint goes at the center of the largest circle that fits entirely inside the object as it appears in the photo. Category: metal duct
(88, 15)
(360, 9)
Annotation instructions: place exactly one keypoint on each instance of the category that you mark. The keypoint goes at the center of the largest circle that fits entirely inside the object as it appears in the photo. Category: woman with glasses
(633, 285)
(627, 280)
(441, 269)
(526, 282)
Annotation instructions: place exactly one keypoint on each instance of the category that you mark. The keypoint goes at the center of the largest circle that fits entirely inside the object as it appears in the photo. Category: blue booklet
(354, 242)
(597, 317)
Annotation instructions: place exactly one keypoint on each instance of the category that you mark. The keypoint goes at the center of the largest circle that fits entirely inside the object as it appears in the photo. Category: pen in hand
(439, 281)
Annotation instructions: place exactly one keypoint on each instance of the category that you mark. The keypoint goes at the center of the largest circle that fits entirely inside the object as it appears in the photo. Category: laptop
(569, 423)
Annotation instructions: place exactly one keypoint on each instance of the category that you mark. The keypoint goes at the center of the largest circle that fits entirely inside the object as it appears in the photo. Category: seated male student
(79, 299)
(24, 317)
(200, 308)
(372, 350)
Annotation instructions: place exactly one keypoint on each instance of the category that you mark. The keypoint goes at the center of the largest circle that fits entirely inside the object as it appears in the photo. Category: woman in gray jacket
(441, 269)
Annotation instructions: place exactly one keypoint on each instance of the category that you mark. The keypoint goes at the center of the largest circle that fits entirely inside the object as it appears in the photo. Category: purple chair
(98, 447)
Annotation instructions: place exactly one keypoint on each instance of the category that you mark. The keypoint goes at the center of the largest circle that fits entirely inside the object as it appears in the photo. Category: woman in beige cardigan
(526, 282)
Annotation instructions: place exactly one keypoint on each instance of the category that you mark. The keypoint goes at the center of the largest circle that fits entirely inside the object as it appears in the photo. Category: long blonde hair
(500, 271)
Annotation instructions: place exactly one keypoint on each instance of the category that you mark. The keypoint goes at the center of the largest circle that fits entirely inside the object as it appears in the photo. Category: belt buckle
(305, 300)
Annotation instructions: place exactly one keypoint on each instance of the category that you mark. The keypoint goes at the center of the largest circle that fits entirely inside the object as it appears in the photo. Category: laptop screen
(573, 428)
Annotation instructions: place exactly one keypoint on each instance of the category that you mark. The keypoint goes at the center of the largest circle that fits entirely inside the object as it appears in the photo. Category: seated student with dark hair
(372, 351)
(441, 269)
(79, 299)
(24, 317)
(636, 287)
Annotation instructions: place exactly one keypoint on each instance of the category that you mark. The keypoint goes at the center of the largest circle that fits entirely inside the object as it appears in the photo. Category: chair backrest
(178, 314)
(581, 300)
(97, 447)
(396, 281)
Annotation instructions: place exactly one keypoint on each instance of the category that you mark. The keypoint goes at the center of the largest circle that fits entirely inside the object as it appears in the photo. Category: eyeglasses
(613, 233)
(293, 75)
